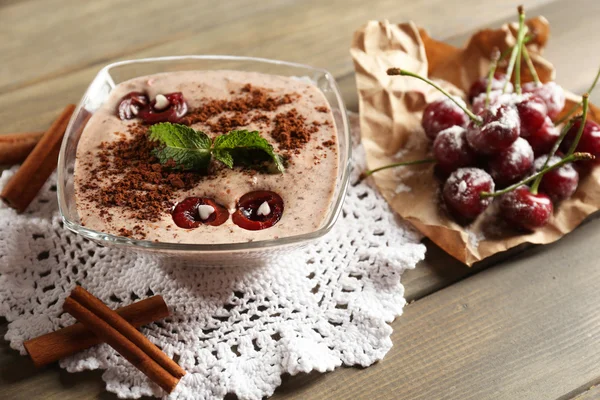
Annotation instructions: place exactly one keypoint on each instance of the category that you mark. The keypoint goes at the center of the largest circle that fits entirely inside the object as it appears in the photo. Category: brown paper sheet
(390, 119)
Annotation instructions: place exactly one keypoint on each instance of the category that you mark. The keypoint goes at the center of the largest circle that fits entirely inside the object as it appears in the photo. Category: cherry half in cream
(169, 107)
(193, 211)
(258, 210)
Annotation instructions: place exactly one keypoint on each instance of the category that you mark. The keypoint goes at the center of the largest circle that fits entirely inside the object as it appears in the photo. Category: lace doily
(234, 329)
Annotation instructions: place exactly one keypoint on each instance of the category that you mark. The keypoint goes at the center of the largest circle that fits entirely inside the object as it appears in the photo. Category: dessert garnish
(169, 107)
(193, 211)
(258, 210)
(493, 154)
(192, 150)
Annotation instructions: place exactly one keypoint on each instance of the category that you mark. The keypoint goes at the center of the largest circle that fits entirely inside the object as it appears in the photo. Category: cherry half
(525, 210)
(176, 109)
(500, 128)
(186, 214)
(440, 115)
(461, 193)
(131, 104)
(247, 216)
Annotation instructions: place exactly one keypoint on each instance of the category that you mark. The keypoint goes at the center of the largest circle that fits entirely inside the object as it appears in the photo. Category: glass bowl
(198, 254)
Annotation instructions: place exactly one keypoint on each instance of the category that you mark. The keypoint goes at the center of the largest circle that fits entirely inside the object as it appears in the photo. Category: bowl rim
(121, 241)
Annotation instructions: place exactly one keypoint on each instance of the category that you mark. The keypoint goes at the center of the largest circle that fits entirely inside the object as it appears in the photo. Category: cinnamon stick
(121, 344)
(20, 191)
(15, 147)
(64, 342)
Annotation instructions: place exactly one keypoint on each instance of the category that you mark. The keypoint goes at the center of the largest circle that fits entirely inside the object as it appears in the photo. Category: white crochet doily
(234, 330)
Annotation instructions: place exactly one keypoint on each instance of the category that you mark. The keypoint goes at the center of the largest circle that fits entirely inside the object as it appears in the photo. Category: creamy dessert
(208, 157)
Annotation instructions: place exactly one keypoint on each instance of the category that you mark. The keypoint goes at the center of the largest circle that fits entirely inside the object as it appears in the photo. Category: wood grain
(469, 334)
(524, 329)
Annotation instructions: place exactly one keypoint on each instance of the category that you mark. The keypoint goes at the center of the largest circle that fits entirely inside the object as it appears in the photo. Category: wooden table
(520, 326)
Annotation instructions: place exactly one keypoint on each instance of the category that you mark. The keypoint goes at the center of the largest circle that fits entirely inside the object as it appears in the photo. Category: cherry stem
(566, 160)
(495, 58)
(531, 67)
(576, 106)
(581, 125)
(398, 164)
(401, 72)
(520, 38)
(563, 133)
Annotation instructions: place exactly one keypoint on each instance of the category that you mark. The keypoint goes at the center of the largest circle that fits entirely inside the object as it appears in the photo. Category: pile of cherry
(505, 142)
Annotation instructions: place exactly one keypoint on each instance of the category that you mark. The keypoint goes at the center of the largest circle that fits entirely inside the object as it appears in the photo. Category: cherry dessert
(440, 115)
(500, 128)
(526, 210)
(193, 211)
(512, 164)
(171, 109)
(258, 210)
(590, 138)
(559, 183)
(451, 150)
(131, 104)
(461, 192)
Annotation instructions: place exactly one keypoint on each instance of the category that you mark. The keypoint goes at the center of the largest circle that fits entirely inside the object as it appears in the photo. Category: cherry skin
(525, 210)
(451, 150)
(480, 86)
(246, 216)
(440, 115)
(590, 138)
(501, 127)
(461, 193)
(560, 183)
(131, 104)
(512, 164)
(532, 112)
(552, 94)
(497, 98)
(544, 138)
(185, 214)
(176, 109)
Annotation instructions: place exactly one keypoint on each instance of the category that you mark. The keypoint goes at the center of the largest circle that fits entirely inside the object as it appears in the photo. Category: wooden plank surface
(74, 39)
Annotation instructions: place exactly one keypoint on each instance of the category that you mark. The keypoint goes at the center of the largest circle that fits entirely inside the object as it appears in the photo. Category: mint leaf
(245, 147)
(188, 148)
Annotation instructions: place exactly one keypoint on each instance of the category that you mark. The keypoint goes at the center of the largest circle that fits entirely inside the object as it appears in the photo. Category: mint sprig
(193, 150)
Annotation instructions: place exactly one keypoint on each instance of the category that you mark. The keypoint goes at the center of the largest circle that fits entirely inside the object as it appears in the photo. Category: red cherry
(560, 183)
(543, 139)
(526, 210)
(451, 150)
(590, 138)
(552, 94)
(500, 128)
(461, 193)
(176, 109)
(497, 98)
(512, 164)
(532, 112)
(186, 215)
(247, 214)
(480, 85)
(131, 104)
(440, 115)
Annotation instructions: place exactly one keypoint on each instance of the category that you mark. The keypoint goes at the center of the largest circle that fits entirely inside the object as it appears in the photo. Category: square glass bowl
(198, 254)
